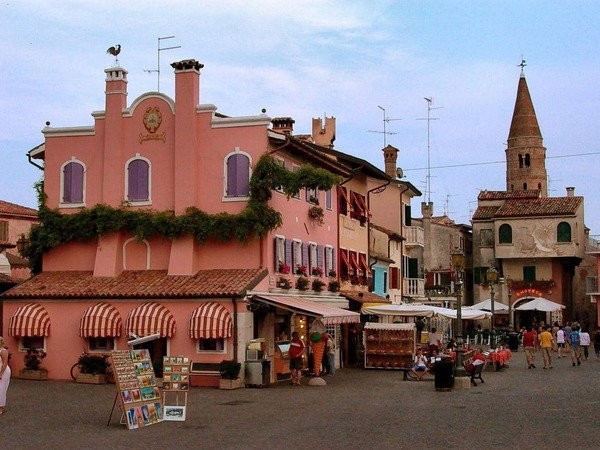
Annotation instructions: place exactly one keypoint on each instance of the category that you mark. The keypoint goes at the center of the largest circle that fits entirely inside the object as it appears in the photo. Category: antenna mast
(429, 119)
(384, 132)
(158, 50)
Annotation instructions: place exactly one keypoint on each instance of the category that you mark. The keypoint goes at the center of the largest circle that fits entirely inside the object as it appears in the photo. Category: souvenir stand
(389, 345)
(176, 382)
(138, 395)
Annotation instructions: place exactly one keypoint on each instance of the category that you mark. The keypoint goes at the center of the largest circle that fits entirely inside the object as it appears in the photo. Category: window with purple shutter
(238, 175)
(73, 183)
(320, 258)
(138, 188)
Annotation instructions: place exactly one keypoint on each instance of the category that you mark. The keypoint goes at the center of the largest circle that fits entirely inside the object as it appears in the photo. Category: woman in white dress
(4, 374)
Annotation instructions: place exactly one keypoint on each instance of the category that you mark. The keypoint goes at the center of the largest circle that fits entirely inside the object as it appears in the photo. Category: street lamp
(509, 283)
(458, 261)
(492, 277)
(22, 244)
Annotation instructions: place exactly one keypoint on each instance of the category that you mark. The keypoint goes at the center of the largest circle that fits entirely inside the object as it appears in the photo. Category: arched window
(520, 161)
(73, 174)
(563, 232)
(527, 160)
(138, 180)
(237, 175)
(505, 234)
(524, 186)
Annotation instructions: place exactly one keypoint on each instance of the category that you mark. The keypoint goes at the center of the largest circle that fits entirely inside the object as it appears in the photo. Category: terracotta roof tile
(139, 283)
(505, 195)
(364, 297)
(547, 206)
(6, 278)
(16, 261)
(17, 210)
(485, 212)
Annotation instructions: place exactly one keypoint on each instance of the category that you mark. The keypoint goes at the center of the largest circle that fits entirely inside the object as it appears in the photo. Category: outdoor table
(499, 357)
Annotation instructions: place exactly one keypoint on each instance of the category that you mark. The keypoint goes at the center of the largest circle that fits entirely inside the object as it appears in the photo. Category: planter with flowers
(316, 272)
(283, 268)
(284, 283)
(33, 361)
(334, 286)
(332, 273)
(315, 213)
(302, 270)
(302, 283)
(93, 369)
(318, 285)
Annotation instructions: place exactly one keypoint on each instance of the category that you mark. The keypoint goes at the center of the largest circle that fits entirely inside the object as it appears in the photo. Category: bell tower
(525, 155)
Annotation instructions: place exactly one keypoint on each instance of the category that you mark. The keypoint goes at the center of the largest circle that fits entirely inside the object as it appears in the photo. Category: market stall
(389, 345)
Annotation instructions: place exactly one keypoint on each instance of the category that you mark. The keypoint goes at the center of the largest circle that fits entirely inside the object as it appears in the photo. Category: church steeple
(525, 155)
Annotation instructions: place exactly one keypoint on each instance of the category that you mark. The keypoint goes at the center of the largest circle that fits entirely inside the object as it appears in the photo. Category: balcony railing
(414, 287)
(591, 286)
(438, 291)
(414, 236)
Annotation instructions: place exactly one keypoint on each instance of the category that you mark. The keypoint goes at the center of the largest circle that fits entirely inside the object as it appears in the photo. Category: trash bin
(513, 341)
(444, 374)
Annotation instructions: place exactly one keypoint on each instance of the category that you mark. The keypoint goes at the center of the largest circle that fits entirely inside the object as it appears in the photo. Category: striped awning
(31, 320)
(150, 318)
(329, 315)
(211, 320)
(100, 321)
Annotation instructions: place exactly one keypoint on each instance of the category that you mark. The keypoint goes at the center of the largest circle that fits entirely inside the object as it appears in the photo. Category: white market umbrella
(486, 305)
(466, 314)
(406, 309)
(540, 304)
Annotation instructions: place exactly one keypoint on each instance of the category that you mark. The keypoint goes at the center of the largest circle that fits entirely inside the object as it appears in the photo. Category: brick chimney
(283, 125)
(390, 156)
(323, 135)
(570, 192)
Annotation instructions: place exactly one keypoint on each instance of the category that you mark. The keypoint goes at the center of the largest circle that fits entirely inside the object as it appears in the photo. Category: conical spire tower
(525, 155)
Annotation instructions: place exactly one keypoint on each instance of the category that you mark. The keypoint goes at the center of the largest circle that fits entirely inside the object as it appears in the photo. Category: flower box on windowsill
(33, 374)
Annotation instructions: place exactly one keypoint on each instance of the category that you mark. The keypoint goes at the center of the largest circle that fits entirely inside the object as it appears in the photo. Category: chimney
(570, 192)
(116, 90)
(323, 135)
(390, 156)
(283, 125)
(187, 83)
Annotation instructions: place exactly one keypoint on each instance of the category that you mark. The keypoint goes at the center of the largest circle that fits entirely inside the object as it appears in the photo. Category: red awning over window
(150, 318)
(210, 320)
(31, 320)
(100, 321)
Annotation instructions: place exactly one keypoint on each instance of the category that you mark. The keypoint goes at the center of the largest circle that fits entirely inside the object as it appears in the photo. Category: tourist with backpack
(575, 341)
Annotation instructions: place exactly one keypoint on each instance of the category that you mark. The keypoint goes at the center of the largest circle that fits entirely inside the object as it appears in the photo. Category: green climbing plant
(255, 220)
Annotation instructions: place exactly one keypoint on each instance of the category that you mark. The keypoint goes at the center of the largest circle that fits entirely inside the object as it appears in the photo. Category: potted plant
(301, 270)
(230, 371)
(283, 268)
(317, 285)
(93, 369)
(316, 213)
(284, 283)
(332, 273)
(317, 271)
(302, 283)
(33, 361)
(334, 286)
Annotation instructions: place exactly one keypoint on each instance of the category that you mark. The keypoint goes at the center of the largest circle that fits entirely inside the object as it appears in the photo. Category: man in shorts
(545, 340)
(296, 351)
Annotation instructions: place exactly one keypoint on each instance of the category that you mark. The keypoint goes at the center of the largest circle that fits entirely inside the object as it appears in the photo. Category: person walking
(4, 374)
(529, 345)
(330, 355)
(585, 341)
(545, 339)
(554, 330)
(296, 351)
(575, 343)
(560, 342)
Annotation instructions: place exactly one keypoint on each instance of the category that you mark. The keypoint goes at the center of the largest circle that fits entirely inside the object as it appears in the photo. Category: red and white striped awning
(211, 320)
(150, 318)
(100, 321)
(31, 320)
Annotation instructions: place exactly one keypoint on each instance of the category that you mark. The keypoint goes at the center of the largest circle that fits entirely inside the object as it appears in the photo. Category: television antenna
(429, 101)
(158, 50)
(386, 120)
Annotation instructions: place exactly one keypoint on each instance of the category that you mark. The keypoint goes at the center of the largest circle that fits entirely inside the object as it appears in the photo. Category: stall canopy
(100, 321)
(330, 315)
(539, 304)
(210, 321)
(412, 310)
(150, 318)
(486, 305)
(31, 320)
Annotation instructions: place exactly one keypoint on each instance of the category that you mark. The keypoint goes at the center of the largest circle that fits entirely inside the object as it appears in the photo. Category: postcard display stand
(176, 383)
(389, 345)
(139, 396)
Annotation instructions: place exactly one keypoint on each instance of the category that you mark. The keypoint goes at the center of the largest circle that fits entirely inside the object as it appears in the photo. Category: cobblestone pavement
(516, 407)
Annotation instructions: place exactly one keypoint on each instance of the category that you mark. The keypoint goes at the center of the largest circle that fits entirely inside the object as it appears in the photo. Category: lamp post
(458, 260)
(22, 244)
(509, 283)
(492, 277)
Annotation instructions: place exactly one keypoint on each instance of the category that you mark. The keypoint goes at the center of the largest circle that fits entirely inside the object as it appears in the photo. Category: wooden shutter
(407, 215)
(320, 259)
(394, 277)
(289, 254)
(305, 254)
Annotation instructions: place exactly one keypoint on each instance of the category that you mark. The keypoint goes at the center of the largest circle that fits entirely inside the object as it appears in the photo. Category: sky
(305, 59)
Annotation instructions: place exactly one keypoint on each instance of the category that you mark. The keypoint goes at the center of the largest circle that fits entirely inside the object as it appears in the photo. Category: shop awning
(31, 320)
(330, 315)
(150, 318)
(100, 321)
(211, 320)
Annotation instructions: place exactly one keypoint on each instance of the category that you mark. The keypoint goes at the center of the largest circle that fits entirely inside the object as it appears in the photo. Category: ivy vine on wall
(255, 220)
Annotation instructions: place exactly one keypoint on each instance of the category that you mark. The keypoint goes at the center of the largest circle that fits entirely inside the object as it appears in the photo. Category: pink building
(196, 288)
